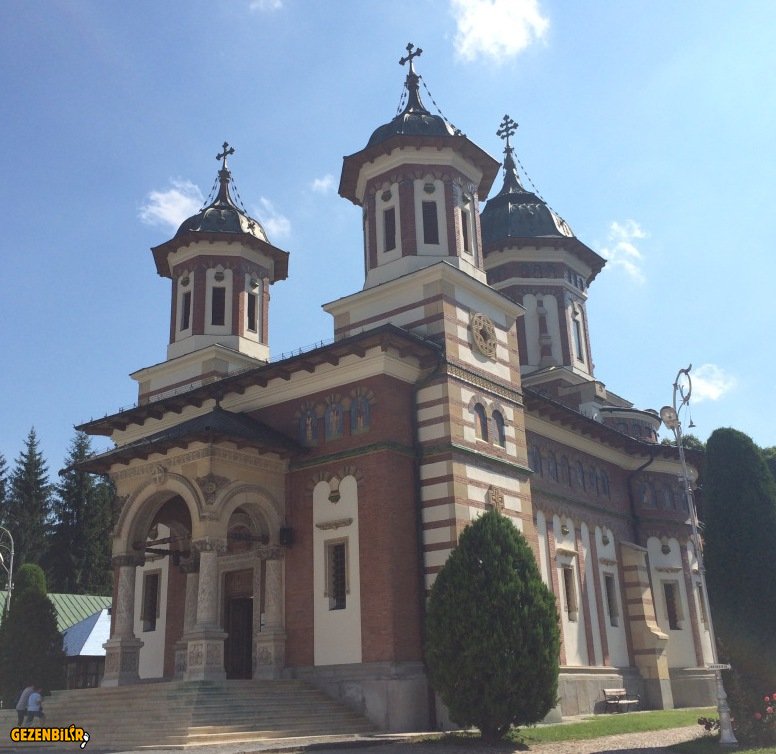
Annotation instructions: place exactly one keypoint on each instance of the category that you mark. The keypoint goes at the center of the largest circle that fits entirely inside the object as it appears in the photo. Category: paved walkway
(653, 742)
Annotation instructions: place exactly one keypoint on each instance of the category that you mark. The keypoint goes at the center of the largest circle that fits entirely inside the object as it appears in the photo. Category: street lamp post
(6, 545)
(670, 417)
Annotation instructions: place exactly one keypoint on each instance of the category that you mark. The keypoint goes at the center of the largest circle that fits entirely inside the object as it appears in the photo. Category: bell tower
(533, 257)
(221, 265)
(418, 181)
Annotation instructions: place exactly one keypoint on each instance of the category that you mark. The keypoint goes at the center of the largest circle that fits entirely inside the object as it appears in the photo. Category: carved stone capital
(209, 544)
(271, 552)
(128, 559)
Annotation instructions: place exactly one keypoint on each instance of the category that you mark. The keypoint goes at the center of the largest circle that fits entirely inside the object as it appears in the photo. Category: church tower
(532, 256)
(419, 183)
(221, 264)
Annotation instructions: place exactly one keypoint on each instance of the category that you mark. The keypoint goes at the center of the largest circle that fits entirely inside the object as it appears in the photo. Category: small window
(186, 311)
(578, 339)
(430, 223)
(702, 605)
(611, 599)
(218, 305)
(570, 592)
(465, 230)
(498, 422)
(253, 312)
(150, 611)
(337, 575)
(480, 422)
(389, 229)
(672, 605)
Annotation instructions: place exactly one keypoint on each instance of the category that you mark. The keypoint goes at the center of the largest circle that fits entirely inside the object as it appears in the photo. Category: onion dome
(515, 212)
(221, 220)
(415, 119)
(223, 215)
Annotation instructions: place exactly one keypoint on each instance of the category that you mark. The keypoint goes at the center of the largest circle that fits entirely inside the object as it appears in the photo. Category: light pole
(670, 417)
(6, 545)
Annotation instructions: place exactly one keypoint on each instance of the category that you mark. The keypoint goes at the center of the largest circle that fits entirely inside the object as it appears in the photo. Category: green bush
(492, 631)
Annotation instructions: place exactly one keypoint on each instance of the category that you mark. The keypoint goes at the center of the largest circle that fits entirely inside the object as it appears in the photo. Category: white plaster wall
(573, 632)
(590, 596)
(668, 567)
(381, 205)
(608, 564)
(337, 632)
(152, 651)
(438, 196)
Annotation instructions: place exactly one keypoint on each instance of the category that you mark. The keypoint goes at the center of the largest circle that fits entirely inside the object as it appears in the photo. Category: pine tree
(492, 631)
(30, 643)
(739, 531)
(28, 504)
(79, 554)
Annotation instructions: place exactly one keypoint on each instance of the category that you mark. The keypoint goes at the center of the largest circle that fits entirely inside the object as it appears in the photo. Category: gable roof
(70, 608)
(85, 638)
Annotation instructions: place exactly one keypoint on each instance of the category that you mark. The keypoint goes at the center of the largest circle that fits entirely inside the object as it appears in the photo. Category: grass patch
(610, 725)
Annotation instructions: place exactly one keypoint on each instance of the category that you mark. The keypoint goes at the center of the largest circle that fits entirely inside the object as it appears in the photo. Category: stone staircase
(183, 715)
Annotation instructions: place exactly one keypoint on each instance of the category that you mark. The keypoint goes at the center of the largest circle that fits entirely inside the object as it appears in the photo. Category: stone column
(189, 615)
(649, 643)
(271, 641)
(205, 640)
(122, 650)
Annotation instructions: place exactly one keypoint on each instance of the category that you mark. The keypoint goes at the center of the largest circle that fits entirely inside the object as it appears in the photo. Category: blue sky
(649, 126)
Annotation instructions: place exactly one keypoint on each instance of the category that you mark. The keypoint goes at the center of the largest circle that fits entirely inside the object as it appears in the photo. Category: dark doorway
(238, 645)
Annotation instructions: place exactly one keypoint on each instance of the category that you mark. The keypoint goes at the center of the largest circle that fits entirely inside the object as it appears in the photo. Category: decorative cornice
(394, 447)
(479, 380)
(337, 524)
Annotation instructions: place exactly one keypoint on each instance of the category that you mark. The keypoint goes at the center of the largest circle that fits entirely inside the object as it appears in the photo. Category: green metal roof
(71, 608)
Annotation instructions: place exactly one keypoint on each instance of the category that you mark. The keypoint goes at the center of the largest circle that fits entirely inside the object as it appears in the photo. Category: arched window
(535, 459)
(581, 475)
(498, 423)
(552, 467)
(480, 422)
(565, 471)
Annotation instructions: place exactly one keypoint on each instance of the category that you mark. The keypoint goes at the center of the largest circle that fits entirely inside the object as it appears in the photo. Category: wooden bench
(618, 700)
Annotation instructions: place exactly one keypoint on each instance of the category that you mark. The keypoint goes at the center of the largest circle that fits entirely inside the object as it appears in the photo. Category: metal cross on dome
(227, 151)
(506, 129)
(410, 55)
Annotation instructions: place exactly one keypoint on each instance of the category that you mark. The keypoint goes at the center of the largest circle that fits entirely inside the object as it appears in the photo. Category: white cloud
(170, 208)
(621, 251)
(496, 29)
(265, 5)
(276, 224)
(323, 185)
(710, 383)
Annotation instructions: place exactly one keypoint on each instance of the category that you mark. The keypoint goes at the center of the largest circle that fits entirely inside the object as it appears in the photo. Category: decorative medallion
(484, 334)
(159, 474)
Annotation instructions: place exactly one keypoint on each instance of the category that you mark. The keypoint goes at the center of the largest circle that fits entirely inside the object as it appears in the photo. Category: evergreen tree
(30, 643)
(79, 553)
(492, 631)
(28, 505)
(739, 531)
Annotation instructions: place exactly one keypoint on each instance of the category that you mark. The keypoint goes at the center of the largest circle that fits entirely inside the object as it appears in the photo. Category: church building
(286, 518)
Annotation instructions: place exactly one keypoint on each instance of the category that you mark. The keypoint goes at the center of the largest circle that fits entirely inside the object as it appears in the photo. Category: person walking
(35, 705)
(21, 705)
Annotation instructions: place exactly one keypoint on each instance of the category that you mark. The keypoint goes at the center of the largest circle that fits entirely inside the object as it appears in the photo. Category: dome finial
(227, 151)
(507, 128)
(224, 176)
(414, 103)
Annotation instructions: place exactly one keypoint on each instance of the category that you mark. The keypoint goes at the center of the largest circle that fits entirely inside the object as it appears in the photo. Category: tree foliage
(740, 528)
(28, 503)
(79, 552)
(30, 643)
(492, 631)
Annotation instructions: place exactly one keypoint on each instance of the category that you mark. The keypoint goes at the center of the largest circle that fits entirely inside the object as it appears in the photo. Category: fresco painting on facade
(285, 518)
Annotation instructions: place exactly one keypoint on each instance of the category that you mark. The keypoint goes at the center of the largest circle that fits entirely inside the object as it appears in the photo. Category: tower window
(186, 311)
(389, 229)
(253, 312)
(218, 305)
(337, 574)
(480, 422)
(498, 421)
(430, 223)
(578, 339)
(465, 231)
